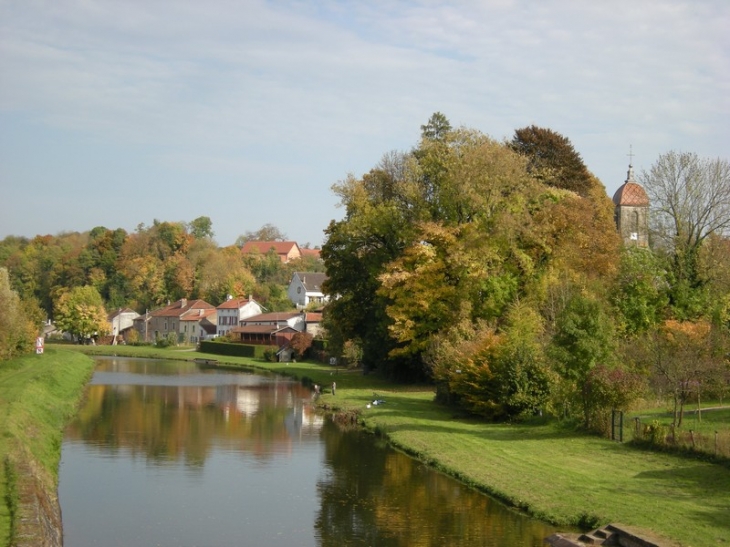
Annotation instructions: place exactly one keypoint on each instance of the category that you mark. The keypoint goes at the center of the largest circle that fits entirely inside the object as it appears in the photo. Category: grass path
(555, 474)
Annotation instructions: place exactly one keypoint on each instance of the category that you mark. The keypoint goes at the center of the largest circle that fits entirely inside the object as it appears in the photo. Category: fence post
(715, 443)
(692, 436)
(636, 433)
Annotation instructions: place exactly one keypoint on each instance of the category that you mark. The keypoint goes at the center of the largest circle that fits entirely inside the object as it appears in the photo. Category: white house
(306, 287)
(235, 310)
(121, 322)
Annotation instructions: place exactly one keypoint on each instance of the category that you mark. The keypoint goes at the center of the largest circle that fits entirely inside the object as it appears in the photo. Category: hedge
(237, 350)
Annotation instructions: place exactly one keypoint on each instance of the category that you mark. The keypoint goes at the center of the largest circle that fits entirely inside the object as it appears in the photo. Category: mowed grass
(38, 395)
(553, 473)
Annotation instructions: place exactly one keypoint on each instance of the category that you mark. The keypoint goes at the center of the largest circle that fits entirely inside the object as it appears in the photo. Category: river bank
(38, 395)
(557, 475)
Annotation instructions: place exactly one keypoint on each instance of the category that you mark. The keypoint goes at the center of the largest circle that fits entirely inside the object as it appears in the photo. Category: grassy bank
(38, 394)
(555, 474)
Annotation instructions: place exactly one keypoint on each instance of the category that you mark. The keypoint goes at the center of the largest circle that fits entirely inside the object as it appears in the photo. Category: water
(165, 454)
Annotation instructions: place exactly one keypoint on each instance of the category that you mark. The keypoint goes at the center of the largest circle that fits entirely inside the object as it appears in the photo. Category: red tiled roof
(233, 303)
(279, 247)
(313, 317)
(181, 306)
(311, 252)
(197, 314)
(271, 316)
(631, 194)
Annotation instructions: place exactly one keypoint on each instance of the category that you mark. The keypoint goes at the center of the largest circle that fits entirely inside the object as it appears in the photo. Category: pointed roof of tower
(631, 193)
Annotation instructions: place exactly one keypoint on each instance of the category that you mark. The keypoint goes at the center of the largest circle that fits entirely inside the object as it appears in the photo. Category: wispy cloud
(301, 93)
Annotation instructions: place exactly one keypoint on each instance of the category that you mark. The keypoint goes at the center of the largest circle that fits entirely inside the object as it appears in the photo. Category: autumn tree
(20, 322)
(301, 342)
(80, 312)
(685, 356)
(552, 159)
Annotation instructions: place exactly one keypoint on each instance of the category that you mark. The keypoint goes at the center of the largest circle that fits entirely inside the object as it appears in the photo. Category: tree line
(495, 270)
(75, 278)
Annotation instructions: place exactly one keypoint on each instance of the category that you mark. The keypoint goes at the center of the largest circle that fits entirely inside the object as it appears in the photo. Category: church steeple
(632, 210)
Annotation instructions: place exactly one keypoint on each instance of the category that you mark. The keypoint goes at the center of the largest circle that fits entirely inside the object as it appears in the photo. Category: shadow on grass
(431, 418)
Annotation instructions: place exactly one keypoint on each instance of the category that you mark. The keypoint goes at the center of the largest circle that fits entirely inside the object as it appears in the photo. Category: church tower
(632, 211)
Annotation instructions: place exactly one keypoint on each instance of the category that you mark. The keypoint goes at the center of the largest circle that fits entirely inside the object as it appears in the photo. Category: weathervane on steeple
(630, 174)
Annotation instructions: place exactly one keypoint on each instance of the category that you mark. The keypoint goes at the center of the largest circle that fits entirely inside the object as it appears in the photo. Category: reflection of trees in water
(380, 497)
(173, 423)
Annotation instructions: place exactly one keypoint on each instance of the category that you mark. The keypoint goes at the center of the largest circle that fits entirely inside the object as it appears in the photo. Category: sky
(118, 113)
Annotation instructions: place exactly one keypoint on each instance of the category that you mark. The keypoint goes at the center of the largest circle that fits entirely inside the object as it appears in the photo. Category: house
(121, 322)
(313, 323)
(194, 323)
(285, 250)
(160, 323)
(233, 311)
(305, 288)
(274, 328)
(311, 253)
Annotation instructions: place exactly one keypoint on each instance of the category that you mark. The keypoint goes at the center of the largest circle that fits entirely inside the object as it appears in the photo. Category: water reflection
(163, 453)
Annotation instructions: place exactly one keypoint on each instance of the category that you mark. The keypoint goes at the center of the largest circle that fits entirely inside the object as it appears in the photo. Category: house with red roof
(274, 328)
(233, 311)
(285, 250)
(176, 318)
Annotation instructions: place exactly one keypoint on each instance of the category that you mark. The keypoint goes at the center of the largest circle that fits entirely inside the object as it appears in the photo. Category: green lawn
(553, 473)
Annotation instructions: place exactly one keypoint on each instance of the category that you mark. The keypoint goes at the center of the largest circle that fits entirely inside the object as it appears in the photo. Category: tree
(685, 356)
(552, 159)
(436, 128)
(80, 312)
(201, 227)
(267, 232)
(583, 340)
(522, 372)
(19, 321)
(301, 342)
(640, 293)
(690, 201)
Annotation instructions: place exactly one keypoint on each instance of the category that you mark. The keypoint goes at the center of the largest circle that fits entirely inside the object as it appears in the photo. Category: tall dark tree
(552, 159)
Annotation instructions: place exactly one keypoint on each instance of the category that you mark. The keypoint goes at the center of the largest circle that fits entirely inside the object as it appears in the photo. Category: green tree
(522, 371)
(584, 338)
(201, 228)
(640, 292)
(436, 128)
(80, 312)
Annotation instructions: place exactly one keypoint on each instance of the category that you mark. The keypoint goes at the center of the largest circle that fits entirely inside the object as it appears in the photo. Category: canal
(164, 453)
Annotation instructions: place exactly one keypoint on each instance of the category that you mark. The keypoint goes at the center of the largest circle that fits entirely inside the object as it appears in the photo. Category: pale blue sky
(116, 113)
